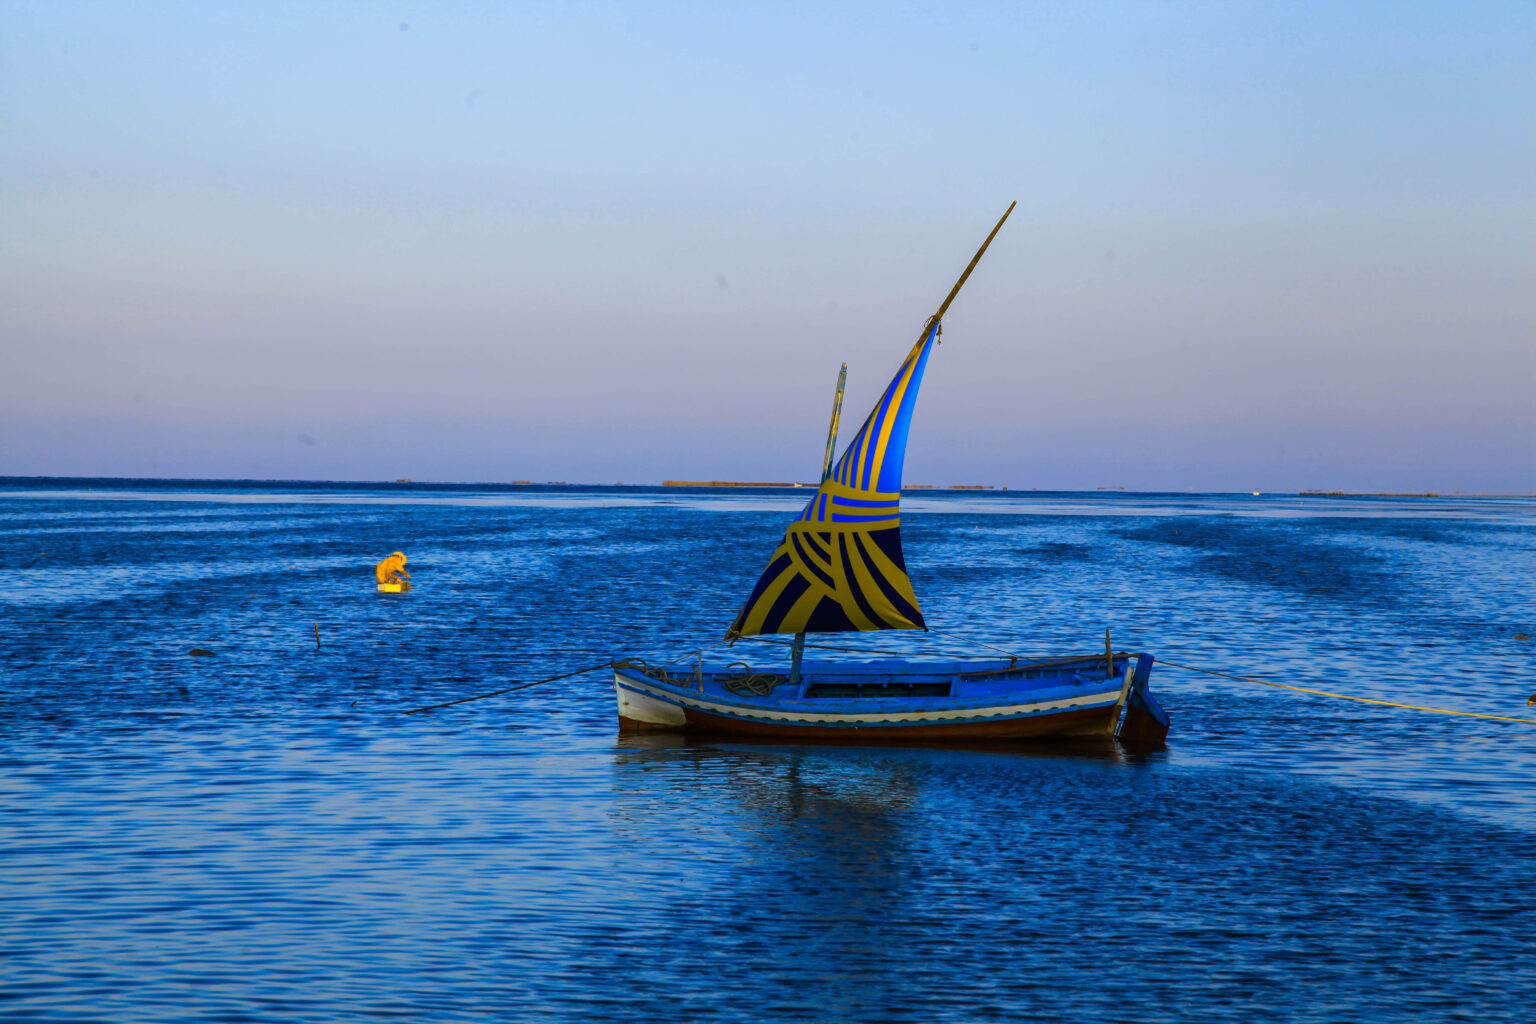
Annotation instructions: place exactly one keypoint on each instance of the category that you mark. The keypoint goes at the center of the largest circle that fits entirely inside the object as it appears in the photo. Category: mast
(837, 410)
(797, 652)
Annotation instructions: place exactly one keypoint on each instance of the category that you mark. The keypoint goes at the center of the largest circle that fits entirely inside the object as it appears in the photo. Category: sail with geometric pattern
(839, 568)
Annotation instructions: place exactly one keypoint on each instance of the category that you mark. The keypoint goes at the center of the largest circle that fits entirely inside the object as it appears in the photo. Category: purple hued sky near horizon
(1257, 247)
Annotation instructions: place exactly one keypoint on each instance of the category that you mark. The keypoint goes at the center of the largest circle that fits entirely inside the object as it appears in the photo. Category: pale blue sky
(1258, 247)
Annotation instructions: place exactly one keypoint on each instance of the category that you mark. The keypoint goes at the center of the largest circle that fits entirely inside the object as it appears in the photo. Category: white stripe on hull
(651, 700)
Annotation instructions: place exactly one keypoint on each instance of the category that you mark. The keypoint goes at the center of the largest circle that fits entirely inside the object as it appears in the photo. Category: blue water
(261, 835)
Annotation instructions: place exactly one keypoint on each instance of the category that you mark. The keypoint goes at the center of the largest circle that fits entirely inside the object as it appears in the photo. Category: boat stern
(1146, 722)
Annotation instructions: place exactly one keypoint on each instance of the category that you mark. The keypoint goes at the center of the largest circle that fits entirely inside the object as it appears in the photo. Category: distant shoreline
(745, 483)
(401, 484)
(727, 483)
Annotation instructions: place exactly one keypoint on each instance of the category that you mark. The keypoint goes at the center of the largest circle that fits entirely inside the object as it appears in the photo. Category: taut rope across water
(1343, 696)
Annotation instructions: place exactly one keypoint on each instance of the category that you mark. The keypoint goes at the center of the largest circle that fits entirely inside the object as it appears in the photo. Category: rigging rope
(974, 643)
(1023, 660)
(1343, 696)
(855, 650)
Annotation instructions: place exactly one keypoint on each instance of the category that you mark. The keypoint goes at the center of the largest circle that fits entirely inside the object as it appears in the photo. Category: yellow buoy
(391, 576)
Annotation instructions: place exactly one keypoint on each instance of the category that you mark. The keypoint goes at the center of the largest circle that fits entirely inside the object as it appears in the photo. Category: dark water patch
(1279, 555)
(1057, 552)
(1417, 531)
(952, 575)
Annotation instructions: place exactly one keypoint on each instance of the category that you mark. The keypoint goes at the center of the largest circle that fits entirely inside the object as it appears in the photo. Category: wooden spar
(837, 410)
(797, 652)
(944, 308)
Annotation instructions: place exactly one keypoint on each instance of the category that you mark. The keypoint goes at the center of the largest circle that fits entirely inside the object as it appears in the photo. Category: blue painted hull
(895, 700)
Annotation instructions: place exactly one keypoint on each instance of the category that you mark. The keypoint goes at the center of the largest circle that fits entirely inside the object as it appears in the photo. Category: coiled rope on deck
(1342, 696)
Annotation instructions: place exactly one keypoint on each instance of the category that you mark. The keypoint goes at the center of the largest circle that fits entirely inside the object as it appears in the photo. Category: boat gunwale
(860, 712)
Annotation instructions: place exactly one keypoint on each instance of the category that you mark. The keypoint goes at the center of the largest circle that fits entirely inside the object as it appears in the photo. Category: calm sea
(260, 834)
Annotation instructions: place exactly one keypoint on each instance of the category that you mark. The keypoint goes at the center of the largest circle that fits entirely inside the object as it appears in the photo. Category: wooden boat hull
(1087, 722)
(1071, 698)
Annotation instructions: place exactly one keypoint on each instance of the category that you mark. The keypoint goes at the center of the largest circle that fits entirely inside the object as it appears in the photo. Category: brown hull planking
(1085, 722)
(1141, 729)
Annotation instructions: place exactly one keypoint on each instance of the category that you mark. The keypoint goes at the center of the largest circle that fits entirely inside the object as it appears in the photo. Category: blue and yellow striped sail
(840, 567)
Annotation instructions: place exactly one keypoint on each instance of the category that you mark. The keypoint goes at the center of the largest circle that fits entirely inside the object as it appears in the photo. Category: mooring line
(552, 679)
(521, 686)
(1343, 696)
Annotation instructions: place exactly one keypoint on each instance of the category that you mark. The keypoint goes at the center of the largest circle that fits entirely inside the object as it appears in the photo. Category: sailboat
(840, 569)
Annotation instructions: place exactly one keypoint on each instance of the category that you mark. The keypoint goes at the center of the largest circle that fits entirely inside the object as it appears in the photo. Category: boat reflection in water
(818, 873)
(820, 865)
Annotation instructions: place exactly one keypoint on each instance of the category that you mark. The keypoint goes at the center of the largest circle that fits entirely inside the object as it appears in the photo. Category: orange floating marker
(391, 576)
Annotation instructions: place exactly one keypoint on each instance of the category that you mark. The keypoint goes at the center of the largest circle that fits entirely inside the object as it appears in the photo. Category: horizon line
(674, 485)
